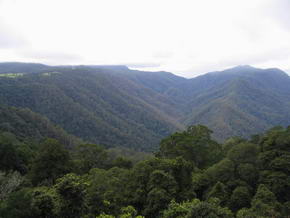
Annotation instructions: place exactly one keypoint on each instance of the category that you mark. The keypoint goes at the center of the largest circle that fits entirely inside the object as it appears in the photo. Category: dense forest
(107, 141)
(191, 175)
(92, 104)
(118, 107)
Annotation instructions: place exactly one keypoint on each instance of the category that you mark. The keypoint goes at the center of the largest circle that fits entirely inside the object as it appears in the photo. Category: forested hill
(116, 106)
(31, 127)
(95, 104)
(240, 101)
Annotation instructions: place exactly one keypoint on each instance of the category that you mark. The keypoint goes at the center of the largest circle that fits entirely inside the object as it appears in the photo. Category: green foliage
(17, 205)
(264, 204)
(129, 212)
(157, 199)
(241, 197)
(274, 161)
(244, 153)
(71, 190)
(176, 210)
(251, 181)
(105, 216)
(248, 172)
(194, 145)
(162, 188)
(230, 143)
(51, 162)
(222, 171)
(123, 162)
(44, 202)
(8, 183)
(88, 156)
(218, 191)
(10, 157)
(134, 156)
(147, 182)
(108, 190)
(197, 208)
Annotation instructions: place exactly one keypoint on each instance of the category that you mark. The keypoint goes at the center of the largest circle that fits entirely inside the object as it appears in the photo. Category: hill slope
(28, 125)
(240, 101)
(94, 104)
(116, 106)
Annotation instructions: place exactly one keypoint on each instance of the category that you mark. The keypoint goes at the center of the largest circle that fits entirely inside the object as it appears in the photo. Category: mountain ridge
(114, 105)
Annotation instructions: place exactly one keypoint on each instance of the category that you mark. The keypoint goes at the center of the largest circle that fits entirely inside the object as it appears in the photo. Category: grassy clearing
(50, 73)
(12, 75)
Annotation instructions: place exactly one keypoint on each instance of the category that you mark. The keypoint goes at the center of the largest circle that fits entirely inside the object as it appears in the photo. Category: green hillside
(241, 101)
(94, 104)
(28, 125)
(116, 106)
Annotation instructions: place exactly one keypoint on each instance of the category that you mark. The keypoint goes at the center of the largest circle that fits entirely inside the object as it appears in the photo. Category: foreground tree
(197, 208)
(8, 183)
(10, 158)
(194, 145)
(71, 190)
(264, 204)
(51, 162)
(88, 156)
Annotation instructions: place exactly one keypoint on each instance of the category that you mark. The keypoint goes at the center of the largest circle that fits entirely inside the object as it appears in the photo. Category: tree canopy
(190, 176)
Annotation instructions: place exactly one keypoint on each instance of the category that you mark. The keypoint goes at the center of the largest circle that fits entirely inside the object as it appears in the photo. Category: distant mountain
(16, 67)
(96, 104)
(116, 106)
(240, 101)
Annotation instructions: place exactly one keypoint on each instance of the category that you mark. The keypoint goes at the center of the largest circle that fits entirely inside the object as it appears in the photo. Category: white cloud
(9, 38)
(51, 57)
(187, 37)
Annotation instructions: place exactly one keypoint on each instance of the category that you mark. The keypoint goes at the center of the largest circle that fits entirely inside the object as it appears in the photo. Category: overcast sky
(186, 37)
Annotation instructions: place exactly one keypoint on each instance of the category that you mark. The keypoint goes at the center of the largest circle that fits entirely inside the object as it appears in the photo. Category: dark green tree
(244, 153)
(44, 202)
(241, 197)
(122, 162)
(51, 162)
(71, 190)
(223, 171)
(18, 205)
(10, 158)
(197, 208)
(219, 191)
(88, 156)
(194, 145)
(264, 204)
(108, 190)
(248, 173)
